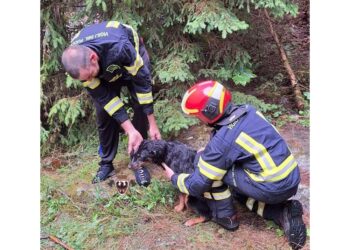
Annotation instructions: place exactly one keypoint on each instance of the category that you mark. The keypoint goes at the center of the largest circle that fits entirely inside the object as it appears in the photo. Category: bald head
(76, 57)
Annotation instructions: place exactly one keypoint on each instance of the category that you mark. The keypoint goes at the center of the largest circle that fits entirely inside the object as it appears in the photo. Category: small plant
(271, 225)
(170, 118)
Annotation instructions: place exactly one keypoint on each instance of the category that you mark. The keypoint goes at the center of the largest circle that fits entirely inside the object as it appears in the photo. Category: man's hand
(168, 171)
(153, 128)
(154, 133)
(134, 141)
(134, 137)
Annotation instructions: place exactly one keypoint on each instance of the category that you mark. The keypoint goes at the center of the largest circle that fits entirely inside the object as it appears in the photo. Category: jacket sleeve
(211, 168)
(110, 102)
(141, 88)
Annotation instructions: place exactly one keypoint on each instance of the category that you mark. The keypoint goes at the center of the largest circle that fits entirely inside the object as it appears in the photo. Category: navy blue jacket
(118, 48)
(250, 143)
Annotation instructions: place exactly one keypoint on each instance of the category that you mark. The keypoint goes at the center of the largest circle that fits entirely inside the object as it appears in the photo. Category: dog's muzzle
(135, 164)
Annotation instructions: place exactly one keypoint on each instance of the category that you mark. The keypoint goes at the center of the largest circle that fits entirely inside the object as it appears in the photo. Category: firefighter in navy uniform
(246, 153)
(106, 57)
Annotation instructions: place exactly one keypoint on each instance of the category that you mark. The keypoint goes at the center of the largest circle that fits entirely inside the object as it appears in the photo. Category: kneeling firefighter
(248, 154)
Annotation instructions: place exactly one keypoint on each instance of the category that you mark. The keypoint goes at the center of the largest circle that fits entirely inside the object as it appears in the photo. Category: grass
(96, 218)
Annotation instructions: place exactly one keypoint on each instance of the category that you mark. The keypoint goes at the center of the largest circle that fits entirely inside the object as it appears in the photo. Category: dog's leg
(180, 207)
(194, 221)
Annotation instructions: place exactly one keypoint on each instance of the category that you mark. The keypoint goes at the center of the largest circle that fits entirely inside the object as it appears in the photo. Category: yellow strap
(92, 84)
(113, 105)
(218, 196)
(210, 171)
(181, 183)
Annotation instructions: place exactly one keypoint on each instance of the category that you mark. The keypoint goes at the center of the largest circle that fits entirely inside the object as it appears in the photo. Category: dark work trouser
(109, 129)
(268, 205)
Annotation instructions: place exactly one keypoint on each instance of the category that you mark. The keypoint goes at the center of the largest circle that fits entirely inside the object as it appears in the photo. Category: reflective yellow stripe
(181, 183)
(258, 150)
(261, 206)
(92, 84)
(218, 196)
(217, 184)
(279, 173)
(212, 89)
(136, 66)
(210, 171)
(270, 172)
(250, 203)
(136, 37)
(138, 61)
(144, 98)
(114, 24)
(221, 106)
(113, 105)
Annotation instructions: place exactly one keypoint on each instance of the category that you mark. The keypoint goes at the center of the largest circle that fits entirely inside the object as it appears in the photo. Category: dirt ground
(165, 229)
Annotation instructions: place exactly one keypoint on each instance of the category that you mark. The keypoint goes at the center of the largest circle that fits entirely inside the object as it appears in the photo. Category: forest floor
(86, 216)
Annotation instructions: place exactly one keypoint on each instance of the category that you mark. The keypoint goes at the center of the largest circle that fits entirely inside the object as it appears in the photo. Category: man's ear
(93, 58)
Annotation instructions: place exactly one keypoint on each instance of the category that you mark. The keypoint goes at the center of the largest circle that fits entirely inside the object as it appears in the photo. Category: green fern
(213, 15)
(170, 118)
(67, 111)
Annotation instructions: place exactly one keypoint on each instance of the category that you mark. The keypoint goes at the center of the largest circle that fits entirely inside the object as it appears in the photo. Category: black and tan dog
(181, 159)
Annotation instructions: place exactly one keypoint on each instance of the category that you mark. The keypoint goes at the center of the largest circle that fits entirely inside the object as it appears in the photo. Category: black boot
(293, 224)
(103, 173)
(229, 223)
(143, 177)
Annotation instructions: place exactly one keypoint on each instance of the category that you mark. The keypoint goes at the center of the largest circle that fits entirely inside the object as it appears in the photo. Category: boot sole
(297, 230)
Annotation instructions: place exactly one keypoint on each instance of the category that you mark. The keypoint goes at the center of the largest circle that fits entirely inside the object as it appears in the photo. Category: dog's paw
(194, 221)
(122, 186)
(179, 208)
(190, 223)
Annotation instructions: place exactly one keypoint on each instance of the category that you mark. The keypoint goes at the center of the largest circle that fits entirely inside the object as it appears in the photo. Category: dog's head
(149, 151)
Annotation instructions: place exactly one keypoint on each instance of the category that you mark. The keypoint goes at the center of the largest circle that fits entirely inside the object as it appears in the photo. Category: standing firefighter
(105, 57)
(248, 154)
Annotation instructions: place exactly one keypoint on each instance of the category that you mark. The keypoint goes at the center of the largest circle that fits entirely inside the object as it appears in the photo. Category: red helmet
(206, 100)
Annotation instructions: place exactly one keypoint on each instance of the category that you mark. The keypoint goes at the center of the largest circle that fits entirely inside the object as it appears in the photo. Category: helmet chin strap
(231, 114)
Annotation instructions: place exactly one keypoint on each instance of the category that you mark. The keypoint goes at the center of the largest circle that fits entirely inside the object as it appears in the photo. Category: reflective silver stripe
(217, 184)
(113, 105)
(250, 203)
(181, 183)
(218, 196)
(254, 149)
(138, 61)
(92, 84)
(289, 167)
(261, 206)
(144, 98)
(210, 171)
(136, 66)
(217, 92)
(282, 172)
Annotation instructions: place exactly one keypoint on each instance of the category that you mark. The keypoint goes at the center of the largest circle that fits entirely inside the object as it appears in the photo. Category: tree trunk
(299, 100)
